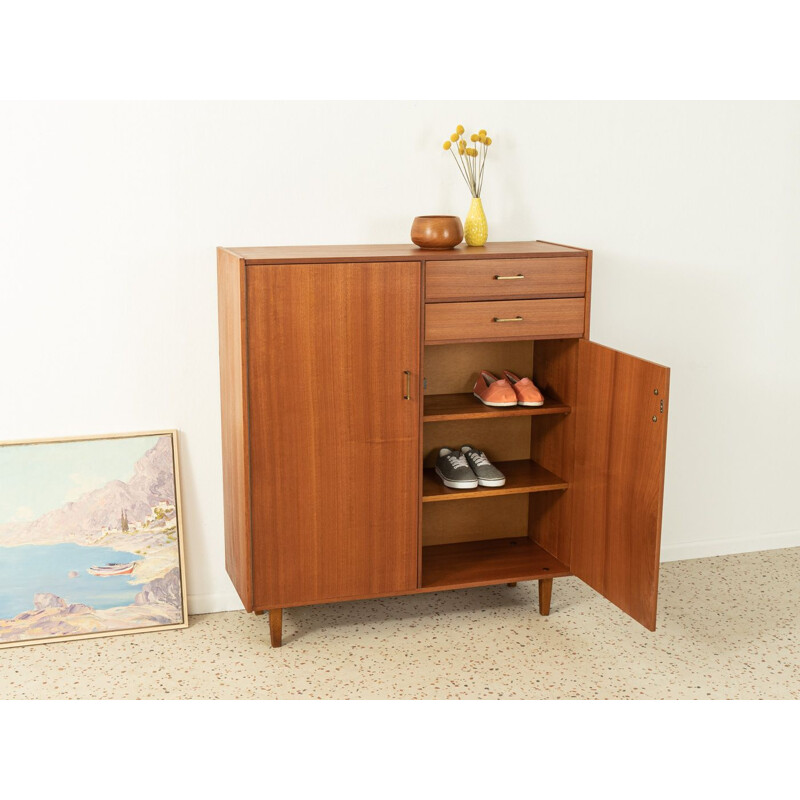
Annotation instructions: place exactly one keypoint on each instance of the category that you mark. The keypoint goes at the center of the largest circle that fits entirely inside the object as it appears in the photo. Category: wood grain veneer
(588, 307)
(276, 626)
(588, 289)
(334, 444)
(454, 368)
(504, 278)
(521, 477)
(497, 517)
(352, 253)
(553, 444)
(235, 435)
(618, 485)
(503, 439)
(443, 407)
(487, 562)
(545, 593)
(469, 322)
(421, 383)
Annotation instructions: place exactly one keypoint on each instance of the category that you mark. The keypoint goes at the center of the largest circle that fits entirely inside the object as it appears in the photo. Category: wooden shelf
(443, 407)
(522, 477)
(484, 563)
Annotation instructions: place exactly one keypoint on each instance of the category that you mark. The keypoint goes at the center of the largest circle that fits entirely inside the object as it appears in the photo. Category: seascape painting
(90, 538)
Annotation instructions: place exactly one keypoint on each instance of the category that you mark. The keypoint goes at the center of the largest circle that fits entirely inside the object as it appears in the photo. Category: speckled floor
(728, 627)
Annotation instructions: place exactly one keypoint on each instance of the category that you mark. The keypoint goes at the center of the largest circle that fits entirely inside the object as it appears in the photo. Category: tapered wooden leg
(512, 584)
(545, 590)
(275, 626)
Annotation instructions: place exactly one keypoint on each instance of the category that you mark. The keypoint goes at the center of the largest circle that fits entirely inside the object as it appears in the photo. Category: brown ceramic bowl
(437, 233)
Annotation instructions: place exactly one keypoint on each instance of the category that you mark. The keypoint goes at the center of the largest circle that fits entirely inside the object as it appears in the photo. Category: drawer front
(504, 319)
(503, 278)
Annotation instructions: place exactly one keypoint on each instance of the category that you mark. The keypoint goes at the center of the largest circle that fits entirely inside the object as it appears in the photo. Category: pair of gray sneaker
(467, 468)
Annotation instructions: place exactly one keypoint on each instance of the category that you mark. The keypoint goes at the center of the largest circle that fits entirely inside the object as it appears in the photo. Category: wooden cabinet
(345, 369)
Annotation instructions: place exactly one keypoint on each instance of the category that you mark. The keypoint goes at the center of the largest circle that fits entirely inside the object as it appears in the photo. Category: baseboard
(726, 547)
(211, 603)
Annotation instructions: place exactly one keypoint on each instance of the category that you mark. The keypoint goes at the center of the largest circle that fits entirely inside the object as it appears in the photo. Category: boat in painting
(112, 569)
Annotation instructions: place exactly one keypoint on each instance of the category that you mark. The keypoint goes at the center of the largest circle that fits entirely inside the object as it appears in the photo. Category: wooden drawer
(504, 278)
(503, 319)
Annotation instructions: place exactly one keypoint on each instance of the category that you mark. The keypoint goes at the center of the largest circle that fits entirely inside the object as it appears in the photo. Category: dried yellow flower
(468, 147)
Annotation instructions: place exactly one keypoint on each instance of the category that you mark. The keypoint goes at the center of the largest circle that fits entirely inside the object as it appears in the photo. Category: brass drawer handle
(407, 395)
(508, 277)
(508, 319)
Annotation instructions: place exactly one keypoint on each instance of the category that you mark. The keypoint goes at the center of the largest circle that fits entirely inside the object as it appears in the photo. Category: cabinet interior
(528, 518)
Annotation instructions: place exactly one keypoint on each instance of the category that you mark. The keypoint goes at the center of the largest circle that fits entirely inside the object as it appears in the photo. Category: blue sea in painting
(29, 569)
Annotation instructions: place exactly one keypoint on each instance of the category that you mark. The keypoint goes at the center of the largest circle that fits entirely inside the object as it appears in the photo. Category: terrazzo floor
(728, 627)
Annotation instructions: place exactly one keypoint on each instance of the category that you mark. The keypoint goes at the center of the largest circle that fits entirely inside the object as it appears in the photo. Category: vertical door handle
(407, 395)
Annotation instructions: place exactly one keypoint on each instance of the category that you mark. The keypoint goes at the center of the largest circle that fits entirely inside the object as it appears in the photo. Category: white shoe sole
(493, 482)
(494, 405)
(457, 484)
(531, 405)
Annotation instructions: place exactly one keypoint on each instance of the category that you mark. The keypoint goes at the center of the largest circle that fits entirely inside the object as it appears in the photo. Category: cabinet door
(334, 443)
(620, 444)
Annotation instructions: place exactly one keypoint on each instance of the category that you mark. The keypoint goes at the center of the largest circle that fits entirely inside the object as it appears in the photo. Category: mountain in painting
(100, 510)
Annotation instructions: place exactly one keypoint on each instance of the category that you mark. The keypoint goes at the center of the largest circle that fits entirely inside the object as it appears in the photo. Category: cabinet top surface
(398, 252)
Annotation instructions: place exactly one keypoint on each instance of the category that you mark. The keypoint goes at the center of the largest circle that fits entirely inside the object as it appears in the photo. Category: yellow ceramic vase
(476, 231)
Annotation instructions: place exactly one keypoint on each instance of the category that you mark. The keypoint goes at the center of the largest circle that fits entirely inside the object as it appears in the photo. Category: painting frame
(173, 435)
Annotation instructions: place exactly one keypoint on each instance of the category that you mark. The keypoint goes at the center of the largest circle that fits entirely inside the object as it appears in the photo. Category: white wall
(110, 213)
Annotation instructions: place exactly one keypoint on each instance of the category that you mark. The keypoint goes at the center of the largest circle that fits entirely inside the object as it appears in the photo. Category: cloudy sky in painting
(37, 478)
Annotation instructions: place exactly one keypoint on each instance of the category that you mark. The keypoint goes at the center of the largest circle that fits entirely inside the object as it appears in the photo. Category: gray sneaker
(488, 475)
(453, 469)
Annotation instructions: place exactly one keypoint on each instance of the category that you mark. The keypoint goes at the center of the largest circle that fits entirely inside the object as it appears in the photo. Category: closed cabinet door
(333, 390)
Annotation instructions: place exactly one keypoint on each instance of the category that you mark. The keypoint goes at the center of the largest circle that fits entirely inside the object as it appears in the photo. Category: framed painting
(91, 538)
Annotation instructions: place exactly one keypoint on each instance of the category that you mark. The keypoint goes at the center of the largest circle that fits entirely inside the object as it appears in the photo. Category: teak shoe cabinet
(345, 369)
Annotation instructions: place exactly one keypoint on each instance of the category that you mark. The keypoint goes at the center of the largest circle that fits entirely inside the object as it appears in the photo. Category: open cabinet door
(618, 483)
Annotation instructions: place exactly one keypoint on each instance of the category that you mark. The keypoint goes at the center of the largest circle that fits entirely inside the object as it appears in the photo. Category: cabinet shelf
(522, 477)
(444, 407)
(486, 562)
